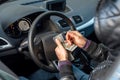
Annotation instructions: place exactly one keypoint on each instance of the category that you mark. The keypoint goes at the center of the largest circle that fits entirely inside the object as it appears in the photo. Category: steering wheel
(41, 43)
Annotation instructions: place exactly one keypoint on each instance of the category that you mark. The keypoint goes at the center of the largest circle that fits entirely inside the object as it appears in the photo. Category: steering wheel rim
(31, 36)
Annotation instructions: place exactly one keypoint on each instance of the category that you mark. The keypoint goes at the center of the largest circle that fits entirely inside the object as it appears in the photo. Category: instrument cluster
(21, 27)
(16, 29)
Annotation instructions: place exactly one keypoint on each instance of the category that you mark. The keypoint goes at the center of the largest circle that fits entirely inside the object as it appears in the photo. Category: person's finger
(56, 49)
(68, 40)
(69, 37)
(77, 33)
(58, 43)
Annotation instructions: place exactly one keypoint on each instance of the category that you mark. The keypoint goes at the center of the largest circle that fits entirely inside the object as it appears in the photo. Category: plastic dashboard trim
(87, 24)
(8, 45)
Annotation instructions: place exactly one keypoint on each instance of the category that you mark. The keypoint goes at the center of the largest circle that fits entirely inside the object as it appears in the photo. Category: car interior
(27, 28)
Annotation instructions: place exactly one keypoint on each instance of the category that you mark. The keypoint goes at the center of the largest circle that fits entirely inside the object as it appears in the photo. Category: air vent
(2, 42)
(63, 23)
(77, 19)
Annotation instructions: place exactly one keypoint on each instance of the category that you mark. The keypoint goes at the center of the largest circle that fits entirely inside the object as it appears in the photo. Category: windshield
(3, 1)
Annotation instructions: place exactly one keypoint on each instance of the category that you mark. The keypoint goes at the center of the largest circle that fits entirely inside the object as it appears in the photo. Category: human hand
(60, 51)
(74, 37)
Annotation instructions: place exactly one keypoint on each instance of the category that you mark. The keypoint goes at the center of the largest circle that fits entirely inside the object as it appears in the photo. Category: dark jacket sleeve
(100, 53)
(65, 70)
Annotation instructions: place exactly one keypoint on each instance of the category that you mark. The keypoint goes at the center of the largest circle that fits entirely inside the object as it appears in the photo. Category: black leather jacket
(107, 28)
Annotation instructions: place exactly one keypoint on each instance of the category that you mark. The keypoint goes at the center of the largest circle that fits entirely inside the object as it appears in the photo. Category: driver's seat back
(107, 23)
(6, 73)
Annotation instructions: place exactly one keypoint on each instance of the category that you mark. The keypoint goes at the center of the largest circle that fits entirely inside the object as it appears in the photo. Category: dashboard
(17, 16)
